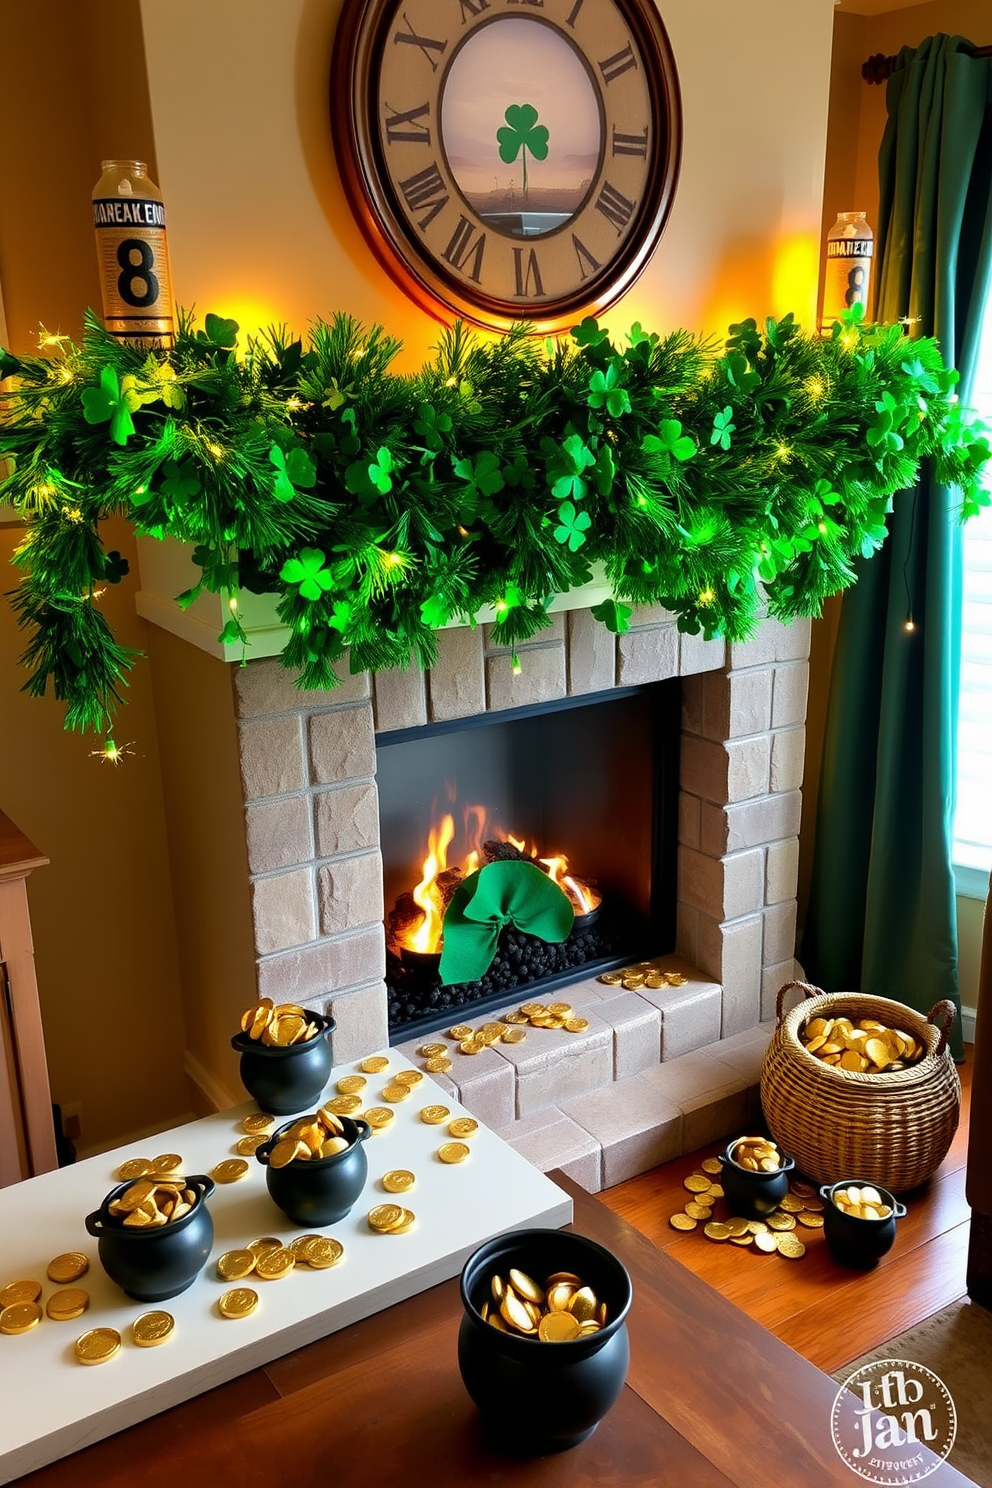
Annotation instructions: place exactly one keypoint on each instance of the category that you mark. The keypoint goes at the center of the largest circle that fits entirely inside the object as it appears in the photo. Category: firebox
(585, 788)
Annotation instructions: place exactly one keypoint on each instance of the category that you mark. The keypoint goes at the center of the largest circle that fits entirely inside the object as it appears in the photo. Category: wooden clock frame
(421, 271)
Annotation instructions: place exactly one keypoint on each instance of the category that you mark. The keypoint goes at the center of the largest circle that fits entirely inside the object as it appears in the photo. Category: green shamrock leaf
(604, 471)
(431, 425)
(567, 464)
(520, 473)
(219, 332)
(435, 611)
(335, 396)
(295, 469)
(723, 428)
(588, 332)
(115, 567)
(605, 392)
(484, 475)
(341, 614)
(107, 402)
(669, 444)
(522, 134)
(573, 526)
(182, 480)
(308, 572)
(614, 615)
(380, 470)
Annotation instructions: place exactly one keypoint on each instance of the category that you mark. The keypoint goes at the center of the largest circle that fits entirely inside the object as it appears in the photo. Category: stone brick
(705, 1120)
(347, 819)
(693, 693)
(456, 684)
(690, 1014)
(780, 933)
(789, 694)
(734, 952)
(266, 686)
(773, 979)
(282, 911)
(747, 767)
(788, 759)
(350, 893)
(486, 1087)
(271, 751)
(687, 922)
(738, 705)
(773, 642)
(743, 883)
(749, 823)
(399, 698)
(635, 1127)
(342, 745)
(792, 641)
(362, 1022)
(560, 1064)
(553, 632)
(743, 1059)
(647, 656)
(540, 679)
(565, 1145)
(699, 655)
(689, 819)
(324, 967)
(650, 615)
(684, 1080)
(278, 834)
(703, 770)
(701, 881)
(636, 1025)
(782, 871)
(591, 655)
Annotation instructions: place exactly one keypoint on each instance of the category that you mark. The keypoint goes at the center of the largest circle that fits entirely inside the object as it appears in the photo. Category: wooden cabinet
(27, 1134)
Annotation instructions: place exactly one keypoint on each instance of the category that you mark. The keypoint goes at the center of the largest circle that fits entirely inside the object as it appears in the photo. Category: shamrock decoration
(309, 572)
(115, 566)
(723, 427)
(380, 470)
(219, 332)
(669, 444)
(181, 480)
(605, 392)
(571, 461)
(573, 526)
(614, 615)
(293, 469)
(522, 134)
(109, 402)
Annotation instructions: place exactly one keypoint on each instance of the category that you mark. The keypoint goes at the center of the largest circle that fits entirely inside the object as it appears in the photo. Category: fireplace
(586, 788)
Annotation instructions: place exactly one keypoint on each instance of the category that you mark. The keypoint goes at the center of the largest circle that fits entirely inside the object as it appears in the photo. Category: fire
(582, 896)
(425, 895)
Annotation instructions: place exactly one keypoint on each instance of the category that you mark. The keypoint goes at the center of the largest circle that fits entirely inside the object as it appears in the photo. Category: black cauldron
(573, 1385)
(318, 1190)
(753, 1195)
(154, 1264)
(286, 1080)
(855, 1242)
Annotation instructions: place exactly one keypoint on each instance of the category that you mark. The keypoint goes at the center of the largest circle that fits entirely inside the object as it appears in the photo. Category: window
(972, 852)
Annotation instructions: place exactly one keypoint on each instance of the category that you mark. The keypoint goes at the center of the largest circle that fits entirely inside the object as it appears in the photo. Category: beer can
(133, 255)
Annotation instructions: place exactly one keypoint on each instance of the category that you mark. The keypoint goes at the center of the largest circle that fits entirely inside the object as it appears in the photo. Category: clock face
(508, 159)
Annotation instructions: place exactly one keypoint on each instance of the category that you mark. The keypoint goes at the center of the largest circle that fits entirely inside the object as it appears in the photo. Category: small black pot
(318, 1190)
(284, 1081)
(153, 1265)
(859, 1243)
(753, 1195)
(543, 1397)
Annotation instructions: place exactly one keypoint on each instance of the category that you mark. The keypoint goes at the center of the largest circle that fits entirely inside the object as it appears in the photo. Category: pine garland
(380, 506)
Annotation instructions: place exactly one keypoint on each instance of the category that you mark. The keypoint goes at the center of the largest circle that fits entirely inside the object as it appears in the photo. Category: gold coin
(98, 1345)
(525, 1286)
(300, 1245)
(803, 1190)
(439, 1065)
(238, 1302)
(169, 1162)
(716, 1231)
(68, 1267)
(258, 1124)
(376, 1063)
(472, 1046)
(711, 1165)
(514, 1018)
(742, 1240)
(655, 980)
(406, 1223)
(462, 1127)
(611, 978)
(248, 1146)
(791, 1247)
(135, 1167)
(514, 1311)
(737, 1226)
(813, 1206)
(697, 1183)
(344, 1105)
(235, 1265)
(757, 1227)
(716, 1192)
(230, 1170)
(20, 1291)
(379, 1117)
(69, 1303)
(400, 1180)
(286, 1151)
(558, 1327)
(698, 1211)
(384, 1216)
(514, 1035)
(152, 1328)
(560, 1296)
(275, 1264)
(323, 1252)
(576, 1025)
(267, 1242)
(682, 1222)
(791, 1204)
(584, 1304)
(351, 1084)
(766, 1241)
(563, 1009)
(460, 1032)
(396, 1093)
(453, 1152)
(434, 1115)
(779, 1221)
(811, 1221)
(634, 983)
(20, 1317)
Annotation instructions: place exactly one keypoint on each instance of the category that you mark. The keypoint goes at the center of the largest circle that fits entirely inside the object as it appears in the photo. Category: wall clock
(508, 159)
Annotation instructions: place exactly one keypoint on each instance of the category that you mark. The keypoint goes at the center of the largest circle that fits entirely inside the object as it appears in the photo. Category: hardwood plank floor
(827, 1313)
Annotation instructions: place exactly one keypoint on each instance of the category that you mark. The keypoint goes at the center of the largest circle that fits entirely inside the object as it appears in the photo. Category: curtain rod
(880, 67)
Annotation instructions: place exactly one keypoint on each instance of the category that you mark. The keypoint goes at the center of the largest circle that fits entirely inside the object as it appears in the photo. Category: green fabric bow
(501, 894)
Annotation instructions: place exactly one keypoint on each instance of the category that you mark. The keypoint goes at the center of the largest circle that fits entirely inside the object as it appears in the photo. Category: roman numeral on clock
(573, 14)
(527, 275)
(403, 126)
(621, 62)
(630, 144)
(425, 190)
(472, 8)
(615, 207)
(426, 44)
(585, 258)
(462, 250)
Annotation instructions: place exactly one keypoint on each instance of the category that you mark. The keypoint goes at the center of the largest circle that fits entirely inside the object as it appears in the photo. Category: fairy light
(294, 404)
(783, 452)
(112, 753)
(517, 668)
(451, 382)
(501, 606)
(848, 339)
(48, 339)
(232, 604)
(816, 388)
(706, 596)
(910, 625)
(216, 450)
(72, 514)
(821, 528)
(392, 560)
(140, 490)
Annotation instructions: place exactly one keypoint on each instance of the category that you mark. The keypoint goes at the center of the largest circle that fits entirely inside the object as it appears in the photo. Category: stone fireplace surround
(658, 1072)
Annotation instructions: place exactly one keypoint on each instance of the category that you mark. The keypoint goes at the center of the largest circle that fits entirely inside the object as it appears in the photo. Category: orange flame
(425, 895)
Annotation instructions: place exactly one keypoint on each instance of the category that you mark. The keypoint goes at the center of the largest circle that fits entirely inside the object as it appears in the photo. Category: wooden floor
(828, 1314)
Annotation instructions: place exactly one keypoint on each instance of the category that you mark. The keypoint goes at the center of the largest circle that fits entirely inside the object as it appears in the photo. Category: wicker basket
(891, 1129)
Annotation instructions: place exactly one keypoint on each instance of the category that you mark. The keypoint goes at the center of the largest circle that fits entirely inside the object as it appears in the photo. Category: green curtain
(881, 914)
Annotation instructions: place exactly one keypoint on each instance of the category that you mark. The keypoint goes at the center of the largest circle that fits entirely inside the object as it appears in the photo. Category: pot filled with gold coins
(315, 1167)
(155, 1234)
(285, 1055)
(755, 1176)
(859, 1221)
(542, 1347)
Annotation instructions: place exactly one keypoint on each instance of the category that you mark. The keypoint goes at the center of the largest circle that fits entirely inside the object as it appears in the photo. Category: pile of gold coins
(278, 1027)
(560, 1311)
(153, 1201)
(861, 1203)
(391, 1219)
(321, 1135)
(20, 1305)
(510, 1029)
(756, 1155)
(643, 974)
(776, 1233)
(269, 1259)
(866, 1047)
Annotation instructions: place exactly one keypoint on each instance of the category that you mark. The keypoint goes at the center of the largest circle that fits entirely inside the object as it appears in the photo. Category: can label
(847, 279)
(134, 269)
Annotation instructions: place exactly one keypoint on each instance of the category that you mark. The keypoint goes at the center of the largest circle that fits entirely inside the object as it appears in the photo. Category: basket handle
(942, 1016)
(805, 987)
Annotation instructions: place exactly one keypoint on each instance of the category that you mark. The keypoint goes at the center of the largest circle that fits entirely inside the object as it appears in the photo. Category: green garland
(380, 506)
